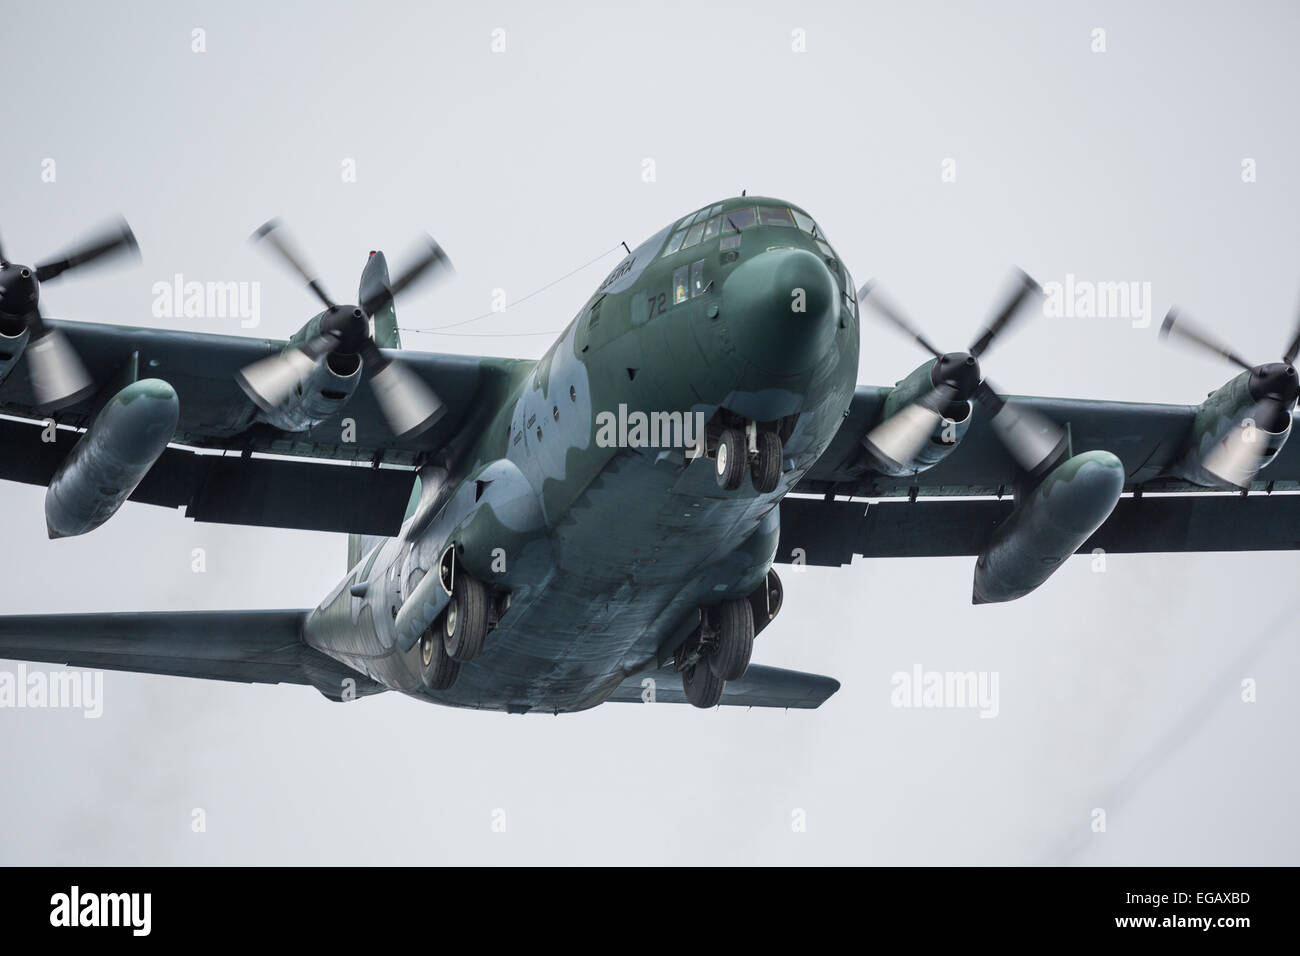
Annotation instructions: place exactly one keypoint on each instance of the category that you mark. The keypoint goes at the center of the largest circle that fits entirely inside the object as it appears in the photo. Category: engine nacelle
(947, 434)
(13, 342)
(1226, 417)
(1048, 526)
(111, 458)
(323, 391)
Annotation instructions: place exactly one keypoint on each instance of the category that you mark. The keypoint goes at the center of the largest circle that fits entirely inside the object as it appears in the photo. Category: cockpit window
(694, 235)
(715, 210)
(738, 219)
(774, 216)
(804, 222)
(675, 242)
(680, 289)
(711, 227)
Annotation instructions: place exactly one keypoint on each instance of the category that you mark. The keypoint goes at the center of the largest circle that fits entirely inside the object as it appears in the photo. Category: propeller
(1273, 387)
(58, 375)
(1032, 440)
(408, 404)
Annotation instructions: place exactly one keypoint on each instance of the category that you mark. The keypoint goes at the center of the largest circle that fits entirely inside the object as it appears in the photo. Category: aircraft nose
(780, 308)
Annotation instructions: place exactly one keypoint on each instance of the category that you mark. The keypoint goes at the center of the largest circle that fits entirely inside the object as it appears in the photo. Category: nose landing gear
(760, 450)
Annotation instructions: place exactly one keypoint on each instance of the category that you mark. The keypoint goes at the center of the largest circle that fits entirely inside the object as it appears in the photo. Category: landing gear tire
(702, 687)
(465, 621)
(729, 459)
(437, 669)
(766, 467)
(734, 645)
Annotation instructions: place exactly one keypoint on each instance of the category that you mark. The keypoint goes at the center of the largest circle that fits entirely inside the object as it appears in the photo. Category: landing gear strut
(760, 451)
(717, 652)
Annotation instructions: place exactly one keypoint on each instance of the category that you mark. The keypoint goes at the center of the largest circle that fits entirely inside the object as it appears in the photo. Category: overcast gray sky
(1118, 690)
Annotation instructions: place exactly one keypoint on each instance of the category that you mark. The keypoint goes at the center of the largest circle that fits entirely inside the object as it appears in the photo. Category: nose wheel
(729, 459)
(765, 468)
(758, 451)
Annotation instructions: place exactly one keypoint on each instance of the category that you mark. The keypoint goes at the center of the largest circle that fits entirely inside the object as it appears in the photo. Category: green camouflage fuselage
(575, 496)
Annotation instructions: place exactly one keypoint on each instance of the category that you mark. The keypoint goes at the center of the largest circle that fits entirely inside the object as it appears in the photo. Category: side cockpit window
(804, 222)
(675, 242)
(680, 290)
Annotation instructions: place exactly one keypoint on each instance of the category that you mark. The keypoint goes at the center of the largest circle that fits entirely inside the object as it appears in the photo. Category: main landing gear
(456, 636)
(748, 447)
(718, 651)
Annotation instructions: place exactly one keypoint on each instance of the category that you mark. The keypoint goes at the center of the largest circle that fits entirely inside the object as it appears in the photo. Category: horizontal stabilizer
(760, 687)
(253, 647)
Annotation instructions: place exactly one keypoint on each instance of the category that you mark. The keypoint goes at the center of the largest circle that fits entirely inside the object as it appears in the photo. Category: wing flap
(831, 533)
(263, 492)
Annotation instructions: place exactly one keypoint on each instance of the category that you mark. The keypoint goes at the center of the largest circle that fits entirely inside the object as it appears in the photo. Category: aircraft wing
(1146, 438)
(760, 687)
(1159, 513)
(253, 647)
(251, 483)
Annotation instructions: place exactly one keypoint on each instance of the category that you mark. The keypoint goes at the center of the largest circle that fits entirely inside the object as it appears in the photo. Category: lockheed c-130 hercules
(505, 554)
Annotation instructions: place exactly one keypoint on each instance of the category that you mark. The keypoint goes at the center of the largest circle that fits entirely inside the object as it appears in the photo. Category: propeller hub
(959, 371)
(350, 324)
(1275, 380)
(19, 290)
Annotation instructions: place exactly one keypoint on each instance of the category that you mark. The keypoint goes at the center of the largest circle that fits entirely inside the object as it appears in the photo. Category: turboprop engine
(927, 413)
(943, 432)
(58, 376)
(1242, 426)
(319, 370)
(1048, 525)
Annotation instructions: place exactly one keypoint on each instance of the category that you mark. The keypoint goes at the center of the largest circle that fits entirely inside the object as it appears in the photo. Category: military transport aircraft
(600, 524)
